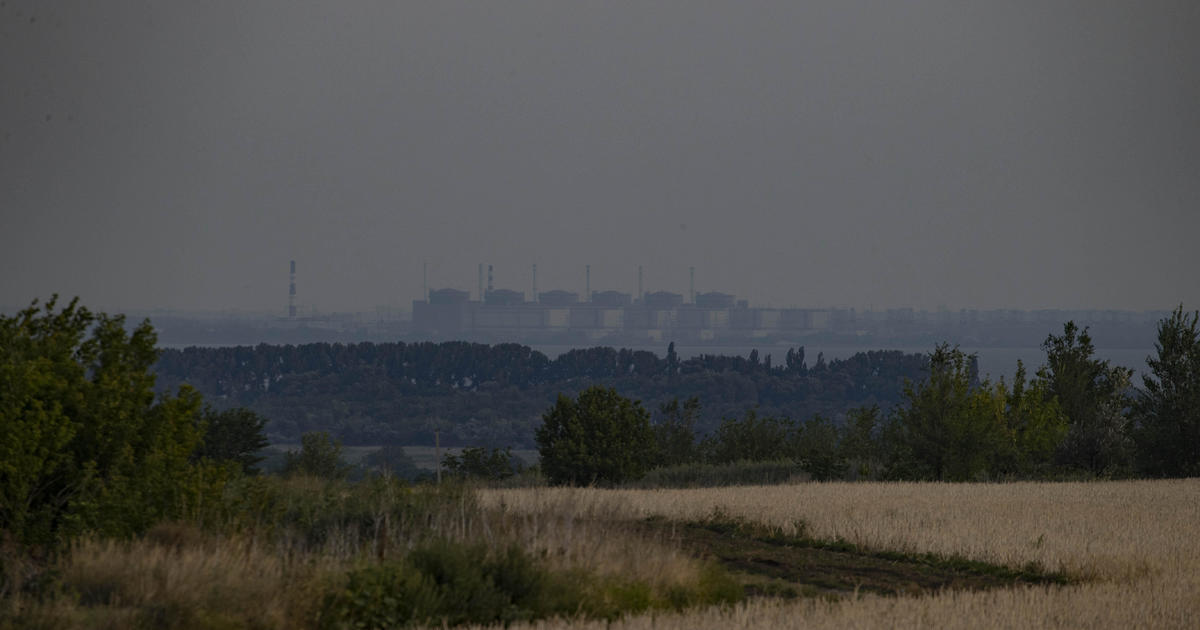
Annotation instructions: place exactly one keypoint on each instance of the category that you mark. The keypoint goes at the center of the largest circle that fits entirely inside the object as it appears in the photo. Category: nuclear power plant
(598, 315)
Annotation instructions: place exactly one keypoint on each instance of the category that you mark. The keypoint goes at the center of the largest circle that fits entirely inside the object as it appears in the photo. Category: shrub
(319, 456)
(450, 583)
(602, 437)
(479, 463)
(84, 445)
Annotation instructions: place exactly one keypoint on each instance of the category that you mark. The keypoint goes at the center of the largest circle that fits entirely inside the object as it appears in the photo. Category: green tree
(750, 438)
(1035, 427)
(860, 445)
(815, 445)
(319, 456)
(1168, 408)
(675, 432)
(481, 463)
(602, 437)
(233, 435)
(392, 459)
(1094, 397)
(949, 430)
(84, 445)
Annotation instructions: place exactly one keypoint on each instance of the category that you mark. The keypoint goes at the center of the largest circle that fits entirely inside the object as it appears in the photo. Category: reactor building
(607, 315)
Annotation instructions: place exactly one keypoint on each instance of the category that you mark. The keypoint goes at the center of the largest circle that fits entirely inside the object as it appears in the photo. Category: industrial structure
(597, 315)
(292, 292)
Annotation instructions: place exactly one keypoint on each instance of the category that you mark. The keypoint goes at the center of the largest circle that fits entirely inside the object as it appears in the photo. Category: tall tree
(1094, 397)
(949, 431)
(675, 432)
(1035, 427)
(602, 437)
(860, 445)
(233, 435)
(1167, 410)
(319, 456)
(752, 437)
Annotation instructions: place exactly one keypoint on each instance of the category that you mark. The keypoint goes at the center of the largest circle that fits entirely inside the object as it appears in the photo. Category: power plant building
(657, 316)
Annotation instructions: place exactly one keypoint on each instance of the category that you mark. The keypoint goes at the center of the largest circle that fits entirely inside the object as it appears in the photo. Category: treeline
(1076, 417)
(476, 394)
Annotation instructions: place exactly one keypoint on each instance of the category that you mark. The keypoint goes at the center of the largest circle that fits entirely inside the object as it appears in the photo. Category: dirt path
(772, 565)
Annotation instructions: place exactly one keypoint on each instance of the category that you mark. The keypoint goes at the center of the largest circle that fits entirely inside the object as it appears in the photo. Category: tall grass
(309, 553)
(743, 473)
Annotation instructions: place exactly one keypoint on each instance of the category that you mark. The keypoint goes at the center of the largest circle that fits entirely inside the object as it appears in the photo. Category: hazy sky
(1034, 154)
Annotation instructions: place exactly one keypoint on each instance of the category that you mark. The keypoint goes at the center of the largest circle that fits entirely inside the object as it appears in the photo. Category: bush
(319, 456)
(602, 438)
(448, 583)
(451, 583)
(233, 435)
(84, 445)
(479, 463)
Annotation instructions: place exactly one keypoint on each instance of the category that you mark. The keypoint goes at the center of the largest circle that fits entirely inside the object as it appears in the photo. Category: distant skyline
(1020, 155)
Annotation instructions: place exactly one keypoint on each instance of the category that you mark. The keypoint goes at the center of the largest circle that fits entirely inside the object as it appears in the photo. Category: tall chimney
(587, 286)
(535, 295)
(641, 293)
(489, 287)
(692, 285)
(292, 291)
(480, 282)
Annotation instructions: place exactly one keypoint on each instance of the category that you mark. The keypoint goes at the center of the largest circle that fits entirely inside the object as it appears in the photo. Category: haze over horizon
(860, 154)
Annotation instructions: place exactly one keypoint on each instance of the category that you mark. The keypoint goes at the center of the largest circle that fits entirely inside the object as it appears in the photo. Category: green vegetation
(84, 445)
(1094, 396)
(481, 395)
(1167, 414)
(481, 464)
(600, 438)
(1078, 417)
(954, 430)
(456, 583)
(102, 483)
(319, 456)
(233, 435)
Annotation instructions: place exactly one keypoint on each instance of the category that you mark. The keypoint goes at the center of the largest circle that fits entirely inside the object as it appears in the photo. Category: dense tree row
(397, 393)
(1078, 416)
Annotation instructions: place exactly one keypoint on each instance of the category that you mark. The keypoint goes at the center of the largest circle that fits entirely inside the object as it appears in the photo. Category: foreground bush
(445, 583)
(84, 445)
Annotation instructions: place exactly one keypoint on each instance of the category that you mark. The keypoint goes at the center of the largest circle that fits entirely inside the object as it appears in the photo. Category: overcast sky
(968, 154)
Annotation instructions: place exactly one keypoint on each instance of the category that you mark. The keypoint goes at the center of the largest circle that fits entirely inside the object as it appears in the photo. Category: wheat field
(1135, 543)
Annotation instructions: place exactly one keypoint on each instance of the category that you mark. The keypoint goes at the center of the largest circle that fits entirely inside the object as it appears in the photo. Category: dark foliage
(84, 444)
(234, 435)
(482, 464)
(1094, 396)
(395, 393)
(319, 456)
(1168, 410)
(601, 437)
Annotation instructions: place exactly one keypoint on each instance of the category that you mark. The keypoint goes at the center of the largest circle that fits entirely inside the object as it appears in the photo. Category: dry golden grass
(179, 576)
(604, 548)
(1138, 542)
(213, 577)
